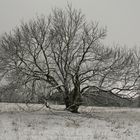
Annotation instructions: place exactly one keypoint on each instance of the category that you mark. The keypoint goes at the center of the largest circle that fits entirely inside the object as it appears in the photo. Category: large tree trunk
(73, 100)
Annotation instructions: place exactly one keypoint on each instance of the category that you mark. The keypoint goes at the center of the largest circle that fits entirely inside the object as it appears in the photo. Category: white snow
(93, 123)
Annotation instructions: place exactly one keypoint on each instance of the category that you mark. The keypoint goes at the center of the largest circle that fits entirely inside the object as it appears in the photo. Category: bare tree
(66, 53)
(136, 96)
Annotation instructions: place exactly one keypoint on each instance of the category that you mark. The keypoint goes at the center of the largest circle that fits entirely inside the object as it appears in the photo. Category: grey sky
(122, 17)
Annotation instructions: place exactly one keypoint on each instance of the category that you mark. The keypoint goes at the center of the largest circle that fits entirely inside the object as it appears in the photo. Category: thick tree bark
(73, 100)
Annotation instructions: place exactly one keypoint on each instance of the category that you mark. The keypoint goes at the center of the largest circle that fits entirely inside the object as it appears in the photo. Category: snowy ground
(93, 123)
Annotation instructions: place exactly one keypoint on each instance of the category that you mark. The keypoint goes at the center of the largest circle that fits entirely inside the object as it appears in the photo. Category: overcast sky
(122, 17)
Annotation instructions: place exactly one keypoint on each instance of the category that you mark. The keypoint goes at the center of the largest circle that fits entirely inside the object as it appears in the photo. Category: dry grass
(94, 123)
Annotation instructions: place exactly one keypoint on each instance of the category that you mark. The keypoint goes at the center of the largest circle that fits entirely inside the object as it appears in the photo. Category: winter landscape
(93, 123)
(69, 70)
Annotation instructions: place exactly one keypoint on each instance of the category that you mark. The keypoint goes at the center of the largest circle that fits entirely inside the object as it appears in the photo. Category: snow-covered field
(17, 122)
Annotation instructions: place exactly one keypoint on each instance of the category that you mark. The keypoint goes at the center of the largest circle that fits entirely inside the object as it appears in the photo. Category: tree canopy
(65, 53)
